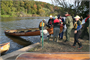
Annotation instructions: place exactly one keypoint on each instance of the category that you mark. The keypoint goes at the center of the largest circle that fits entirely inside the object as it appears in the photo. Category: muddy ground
(62, 46)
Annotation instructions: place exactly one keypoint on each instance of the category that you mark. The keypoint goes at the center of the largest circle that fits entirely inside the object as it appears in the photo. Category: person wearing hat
(77, 32)
(56, 28)
(69, 25)
(85, 30)
(45, 32)
(50, 21)
(62, 20)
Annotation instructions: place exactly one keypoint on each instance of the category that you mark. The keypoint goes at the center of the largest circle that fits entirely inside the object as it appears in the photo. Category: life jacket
(56, 21)
(75, 25)
(41, 24)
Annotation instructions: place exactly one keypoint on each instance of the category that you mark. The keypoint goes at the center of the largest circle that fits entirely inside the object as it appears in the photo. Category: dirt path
(61, 46)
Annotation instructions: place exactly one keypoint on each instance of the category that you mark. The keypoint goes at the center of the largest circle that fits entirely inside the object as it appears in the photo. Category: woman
(61, 34)
(56, 28)
(77, 32)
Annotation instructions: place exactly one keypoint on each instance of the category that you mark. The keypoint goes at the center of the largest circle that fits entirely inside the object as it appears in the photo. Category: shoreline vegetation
(27, 15)
(34, 8)
(27, 9)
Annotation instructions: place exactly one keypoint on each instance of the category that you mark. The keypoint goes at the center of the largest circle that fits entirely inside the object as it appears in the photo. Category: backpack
(41, 24)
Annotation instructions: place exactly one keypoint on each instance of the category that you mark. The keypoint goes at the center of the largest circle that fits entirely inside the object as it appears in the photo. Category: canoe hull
(4, 47)
(31, 33)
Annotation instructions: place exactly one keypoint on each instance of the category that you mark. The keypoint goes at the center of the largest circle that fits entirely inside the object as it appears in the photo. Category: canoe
(4, 47)
(28, 32)
(54, 56)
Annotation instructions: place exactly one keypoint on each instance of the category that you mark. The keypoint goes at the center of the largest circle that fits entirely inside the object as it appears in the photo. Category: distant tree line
(26, 7)
(18, 8)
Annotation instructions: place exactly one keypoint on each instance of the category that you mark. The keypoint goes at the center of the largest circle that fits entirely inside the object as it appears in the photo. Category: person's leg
(77, 36)
(57, 32)
(74, 44)
(62, 35)
(59, 35)
(68, 32)
(54, 33)
(40, 35)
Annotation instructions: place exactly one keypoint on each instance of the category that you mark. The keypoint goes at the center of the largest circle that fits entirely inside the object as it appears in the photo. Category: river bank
(62, 46)
(21, 15)
(13, 55)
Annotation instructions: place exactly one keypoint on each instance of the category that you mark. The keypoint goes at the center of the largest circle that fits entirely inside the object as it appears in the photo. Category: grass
(6, 16)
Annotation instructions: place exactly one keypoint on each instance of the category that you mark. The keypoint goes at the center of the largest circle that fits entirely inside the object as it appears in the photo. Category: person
(45, 32)
(56, 29)
(69, 25)
(85, 30)
(81, 18)
(50, 21)
(61, 34)
(77, 32)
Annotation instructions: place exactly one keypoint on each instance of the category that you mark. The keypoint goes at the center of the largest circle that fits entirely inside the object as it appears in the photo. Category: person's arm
(48, 21)
(66, 21)
(79, 27)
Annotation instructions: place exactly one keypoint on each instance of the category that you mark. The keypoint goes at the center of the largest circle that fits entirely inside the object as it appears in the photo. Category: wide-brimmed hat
(50, 15)
(56, 17)
(76, 16)
(43, 20)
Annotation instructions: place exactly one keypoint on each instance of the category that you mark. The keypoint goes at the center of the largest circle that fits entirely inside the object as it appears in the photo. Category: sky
(48, 1)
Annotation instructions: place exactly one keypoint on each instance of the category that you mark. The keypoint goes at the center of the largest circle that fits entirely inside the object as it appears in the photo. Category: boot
(80, 45)
(74, 44)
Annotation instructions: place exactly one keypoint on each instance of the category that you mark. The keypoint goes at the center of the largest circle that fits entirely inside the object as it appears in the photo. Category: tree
(78, 6)
(41, 12)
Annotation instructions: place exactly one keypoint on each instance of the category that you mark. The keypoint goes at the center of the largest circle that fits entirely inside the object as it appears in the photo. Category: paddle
(42, 34)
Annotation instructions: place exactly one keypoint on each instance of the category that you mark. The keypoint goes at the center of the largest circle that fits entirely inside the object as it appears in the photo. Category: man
(69, 25)
(77, 32)
(50, 22)
(44, 31)
(85, 30)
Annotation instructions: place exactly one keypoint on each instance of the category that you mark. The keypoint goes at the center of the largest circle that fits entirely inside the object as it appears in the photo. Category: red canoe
(54, 56)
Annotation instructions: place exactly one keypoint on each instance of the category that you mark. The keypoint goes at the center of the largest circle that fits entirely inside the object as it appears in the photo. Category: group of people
(58, 21)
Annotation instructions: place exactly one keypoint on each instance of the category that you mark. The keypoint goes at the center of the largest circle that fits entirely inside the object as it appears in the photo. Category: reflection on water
(19, 23)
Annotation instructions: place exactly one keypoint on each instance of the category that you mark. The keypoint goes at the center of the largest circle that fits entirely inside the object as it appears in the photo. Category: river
(19, 23)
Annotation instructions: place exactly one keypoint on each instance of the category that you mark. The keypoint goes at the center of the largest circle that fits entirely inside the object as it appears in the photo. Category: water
(19, 23)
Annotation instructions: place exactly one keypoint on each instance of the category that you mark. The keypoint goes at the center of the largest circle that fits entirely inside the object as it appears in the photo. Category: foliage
(27, 6)
(79, 7)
